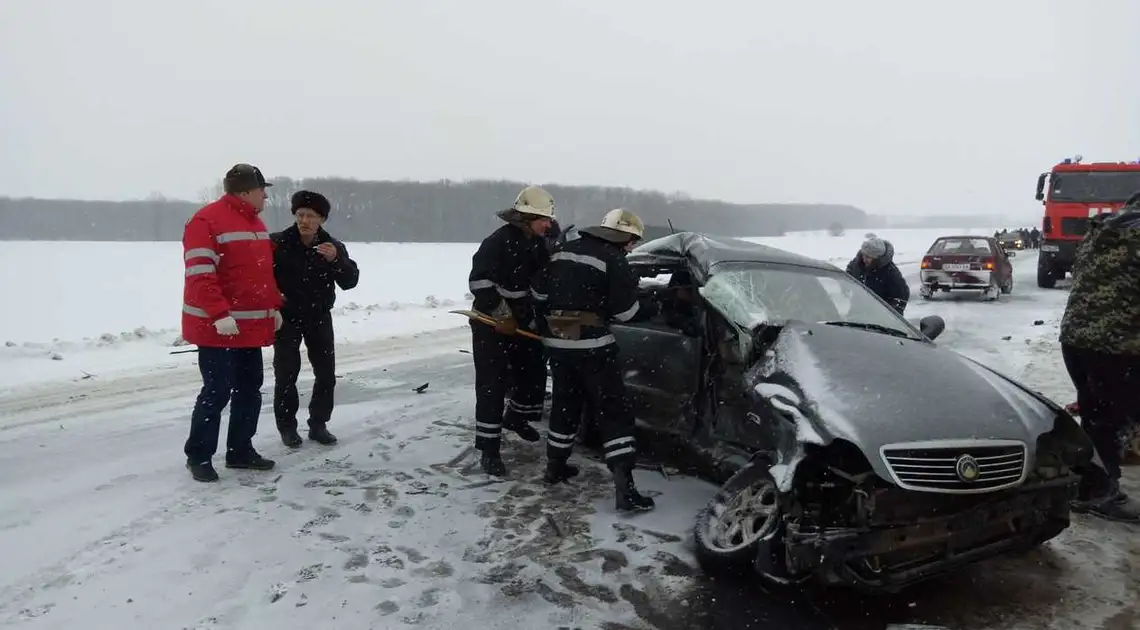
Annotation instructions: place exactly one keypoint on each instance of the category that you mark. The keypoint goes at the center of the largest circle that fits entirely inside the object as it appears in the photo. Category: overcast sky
(899, 107)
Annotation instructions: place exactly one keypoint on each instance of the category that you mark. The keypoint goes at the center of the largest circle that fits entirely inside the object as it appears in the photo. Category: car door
(661, 366)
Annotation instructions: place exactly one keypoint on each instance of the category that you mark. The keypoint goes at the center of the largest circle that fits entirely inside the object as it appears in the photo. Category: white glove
(226, 326)
(277, 320)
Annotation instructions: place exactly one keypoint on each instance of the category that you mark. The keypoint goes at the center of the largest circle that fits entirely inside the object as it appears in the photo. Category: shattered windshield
(763, 294)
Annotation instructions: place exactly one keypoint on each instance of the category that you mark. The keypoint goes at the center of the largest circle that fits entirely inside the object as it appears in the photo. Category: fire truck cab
(1077, 191)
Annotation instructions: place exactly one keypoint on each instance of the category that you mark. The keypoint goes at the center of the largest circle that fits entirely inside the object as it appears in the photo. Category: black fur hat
(314, 201)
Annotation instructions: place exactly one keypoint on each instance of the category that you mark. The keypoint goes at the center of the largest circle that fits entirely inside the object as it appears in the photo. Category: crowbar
(491, 321)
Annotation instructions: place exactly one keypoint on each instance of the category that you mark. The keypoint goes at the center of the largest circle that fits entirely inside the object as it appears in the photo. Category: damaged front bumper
(938, 279)
(887, 559)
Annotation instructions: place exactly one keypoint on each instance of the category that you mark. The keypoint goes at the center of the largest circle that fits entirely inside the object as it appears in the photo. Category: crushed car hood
(873, 390)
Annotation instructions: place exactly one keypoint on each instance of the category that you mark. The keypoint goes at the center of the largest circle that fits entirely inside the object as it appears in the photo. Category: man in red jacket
(230, 311)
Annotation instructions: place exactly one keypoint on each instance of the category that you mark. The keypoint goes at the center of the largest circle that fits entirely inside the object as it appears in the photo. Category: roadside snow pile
(56, 346)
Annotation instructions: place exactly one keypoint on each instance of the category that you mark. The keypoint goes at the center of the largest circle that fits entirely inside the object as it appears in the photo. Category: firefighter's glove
(507, 326)
(277, 320)
(226, 326)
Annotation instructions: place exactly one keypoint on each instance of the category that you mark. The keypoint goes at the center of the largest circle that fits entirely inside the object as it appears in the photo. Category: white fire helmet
(535, 201)
(624, 221)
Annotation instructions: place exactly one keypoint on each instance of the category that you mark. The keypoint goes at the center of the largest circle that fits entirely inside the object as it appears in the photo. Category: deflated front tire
(740, 521)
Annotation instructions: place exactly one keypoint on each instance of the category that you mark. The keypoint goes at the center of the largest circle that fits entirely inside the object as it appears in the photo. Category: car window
(950, 246)
(753, 295)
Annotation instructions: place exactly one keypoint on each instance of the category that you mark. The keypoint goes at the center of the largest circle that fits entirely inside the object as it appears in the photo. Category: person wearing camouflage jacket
(1100, 343)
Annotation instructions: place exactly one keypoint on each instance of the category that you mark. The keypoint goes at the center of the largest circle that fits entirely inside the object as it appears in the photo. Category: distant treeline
(445, 211)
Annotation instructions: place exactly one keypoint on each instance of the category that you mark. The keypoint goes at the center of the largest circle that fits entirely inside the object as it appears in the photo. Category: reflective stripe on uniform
(201, 252)
(579, 344)
(621, 446)
(197, 312)
(512, 295)
(251, 314)
(560, 440)
(479, 285)
(628, 313)
(581, 259)
(541, 297)
(229, 237)
(197, 270)
(194, 310)
(524, 410)
(488, 430)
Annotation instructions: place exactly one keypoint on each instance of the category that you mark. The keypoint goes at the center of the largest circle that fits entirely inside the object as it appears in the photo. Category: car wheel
(1007, 288)
(731, 528)
(926, 292)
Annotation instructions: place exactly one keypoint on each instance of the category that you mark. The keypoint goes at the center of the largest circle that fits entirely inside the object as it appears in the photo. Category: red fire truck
(1077, 191)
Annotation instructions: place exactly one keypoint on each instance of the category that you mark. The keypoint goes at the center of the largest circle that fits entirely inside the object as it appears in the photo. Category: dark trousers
(1107, 394)
(317, 333)
(229, 376)
(595, 381)
(495, 356)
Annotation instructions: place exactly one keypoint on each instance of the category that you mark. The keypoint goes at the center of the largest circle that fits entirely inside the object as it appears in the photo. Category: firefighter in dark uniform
(588, 284)
(501, 274)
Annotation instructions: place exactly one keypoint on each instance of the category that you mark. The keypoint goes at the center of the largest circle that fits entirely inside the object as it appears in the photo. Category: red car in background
(966, 263)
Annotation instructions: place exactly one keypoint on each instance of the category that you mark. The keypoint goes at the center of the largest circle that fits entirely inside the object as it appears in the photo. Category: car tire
(1007, 288)
(749, 502)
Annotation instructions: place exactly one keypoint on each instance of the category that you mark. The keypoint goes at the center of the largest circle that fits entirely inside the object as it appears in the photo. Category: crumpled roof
(706, 251)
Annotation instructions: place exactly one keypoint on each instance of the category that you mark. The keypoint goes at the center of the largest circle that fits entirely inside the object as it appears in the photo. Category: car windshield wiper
(879, 328)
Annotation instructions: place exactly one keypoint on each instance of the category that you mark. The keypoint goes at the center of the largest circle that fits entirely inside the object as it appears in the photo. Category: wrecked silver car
(852, 449)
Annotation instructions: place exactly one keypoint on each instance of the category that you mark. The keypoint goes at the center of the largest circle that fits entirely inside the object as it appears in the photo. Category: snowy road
(101, 526)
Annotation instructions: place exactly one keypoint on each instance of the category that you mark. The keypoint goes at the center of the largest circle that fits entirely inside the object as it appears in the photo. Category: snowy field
(101, 526)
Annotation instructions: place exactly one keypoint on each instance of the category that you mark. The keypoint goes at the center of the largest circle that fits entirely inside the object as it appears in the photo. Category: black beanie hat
(314, 201)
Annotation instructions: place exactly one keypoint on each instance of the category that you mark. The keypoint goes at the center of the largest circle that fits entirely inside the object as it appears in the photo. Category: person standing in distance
(501, 274)
(587, 285)
(230, 308)
(309, 264)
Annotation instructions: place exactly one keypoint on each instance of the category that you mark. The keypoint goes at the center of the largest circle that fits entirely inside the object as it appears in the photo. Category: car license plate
(955, 267)
(1050, 248)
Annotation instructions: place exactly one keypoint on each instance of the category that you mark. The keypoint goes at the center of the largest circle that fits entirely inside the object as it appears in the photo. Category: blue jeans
(229, 376)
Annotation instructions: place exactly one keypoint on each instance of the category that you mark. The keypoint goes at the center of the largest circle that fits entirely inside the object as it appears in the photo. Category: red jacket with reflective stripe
(229, 271)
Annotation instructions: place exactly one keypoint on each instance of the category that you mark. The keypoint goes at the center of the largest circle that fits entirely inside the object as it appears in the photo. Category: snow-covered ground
(100, 526)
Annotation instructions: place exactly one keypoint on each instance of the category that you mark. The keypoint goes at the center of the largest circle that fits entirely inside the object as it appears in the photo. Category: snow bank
(97, 292)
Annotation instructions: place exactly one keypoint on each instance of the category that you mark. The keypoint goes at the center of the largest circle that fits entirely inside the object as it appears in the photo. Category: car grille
(957, 467)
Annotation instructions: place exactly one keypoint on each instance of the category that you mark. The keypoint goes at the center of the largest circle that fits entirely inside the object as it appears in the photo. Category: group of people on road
(546, 300)
(555, 302)
(1031, 237)
(1100, 344)
(246, 289)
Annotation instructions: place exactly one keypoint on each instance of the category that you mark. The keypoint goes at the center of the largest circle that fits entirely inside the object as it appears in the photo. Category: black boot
(493, 464)
(320, 433)
(290, 438)
(524, 431)
(203, 471)
(1117, 506)
(249, 461)
(627, 498)
(557, 471)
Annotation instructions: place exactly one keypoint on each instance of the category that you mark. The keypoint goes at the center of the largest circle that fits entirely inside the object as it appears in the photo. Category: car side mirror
(1010, 254)
(931, 326)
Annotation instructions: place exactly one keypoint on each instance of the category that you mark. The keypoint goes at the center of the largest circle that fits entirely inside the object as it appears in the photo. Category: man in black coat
(874, 266)
(307, 263)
